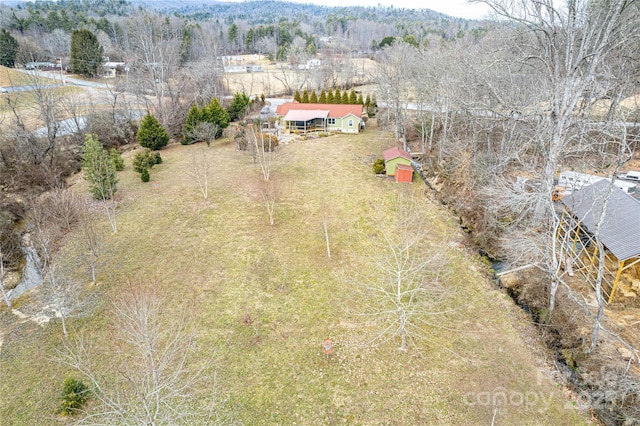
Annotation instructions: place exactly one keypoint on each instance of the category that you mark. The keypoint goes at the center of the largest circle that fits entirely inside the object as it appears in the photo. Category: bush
(74, 394)
(151, 134)
(145, 160)
(270, 142)
(117, 159)
(378, 166)
(145, 175)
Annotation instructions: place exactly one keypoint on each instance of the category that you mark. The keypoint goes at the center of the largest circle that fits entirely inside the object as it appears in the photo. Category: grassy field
(220, 259)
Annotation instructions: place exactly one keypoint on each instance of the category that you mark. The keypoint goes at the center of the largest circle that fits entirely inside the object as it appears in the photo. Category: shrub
(117, 159)
(378, 166)
(151, 134)
(145, 160)
(145, 175)
(74, 394)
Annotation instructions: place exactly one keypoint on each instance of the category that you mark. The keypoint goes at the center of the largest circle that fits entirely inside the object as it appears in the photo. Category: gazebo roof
(620, 232)
(302, 115)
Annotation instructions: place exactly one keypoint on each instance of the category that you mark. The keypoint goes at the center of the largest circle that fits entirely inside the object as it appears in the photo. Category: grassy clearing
(221, 259)
(12, 77)
(28, 102)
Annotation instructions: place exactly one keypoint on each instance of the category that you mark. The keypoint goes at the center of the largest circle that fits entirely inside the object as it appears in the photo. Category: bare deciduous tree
(156, 379)
(200, 169)
(92, 245)
(565, 46)
(269, 191)
(62, 294)
(405, 285)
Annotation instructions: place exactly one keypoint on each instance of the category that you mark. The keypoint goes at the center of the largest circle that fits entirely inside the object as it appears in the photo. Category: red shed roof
(335, 110)
(395, 152)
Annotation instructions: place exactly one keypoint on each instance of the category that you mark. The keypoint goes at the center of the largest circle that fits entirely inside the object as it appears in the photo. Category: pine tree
(8, 49)
(337, 96)
(99, 169)
(296, 96)
(86, 53)
(323, 97)
(305, 97)
(359, 100)
(353, 98)
(313, 99)
(151, 134)
(214, 113)
(345, 98)
(330, 99)
(194, 116)
(238, 106)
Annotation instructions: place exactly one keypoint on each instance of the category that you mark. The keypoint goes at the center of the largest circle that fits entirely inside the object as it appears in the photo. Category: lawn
(12, 77)
(220, 259)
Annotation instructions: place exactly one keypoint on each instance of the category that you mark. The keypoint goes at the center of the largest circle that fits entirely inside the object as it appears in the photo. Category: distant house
(43, 66)
(393, 158)
(109, 69)
(303, 118)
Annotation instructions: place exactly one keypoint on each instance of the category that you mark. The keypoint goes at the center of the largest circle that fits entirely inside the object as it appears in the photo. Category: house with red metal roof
(303, 118)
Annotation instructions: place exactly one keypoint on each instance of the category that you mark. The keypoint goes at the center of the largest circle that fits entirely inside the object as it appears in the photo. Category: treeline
(66, 15)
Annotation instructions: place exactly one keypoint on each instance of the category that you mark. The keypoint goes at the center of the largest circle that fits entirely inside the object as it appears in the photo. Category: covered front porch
(306, 121)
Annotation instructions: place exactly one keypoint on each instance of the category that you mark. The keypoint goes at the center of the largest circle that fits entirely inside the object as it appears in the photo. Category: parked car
(265, 110)
(632, 175)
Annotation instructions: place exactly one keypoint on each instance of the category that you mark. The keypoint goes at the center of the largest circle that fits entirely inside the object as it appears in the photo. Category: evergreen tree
(313, 98)
(323, 97)
(367, 102)
(86, 53)
(345, 97)
(359, 100)
(353, 98)
(151, 134)
(8, 49)
(214, 113)
(194, 116)
(337, 96)
(99, 169)
(296, 96)
(330, 99)
(238, 106)
(305, 97)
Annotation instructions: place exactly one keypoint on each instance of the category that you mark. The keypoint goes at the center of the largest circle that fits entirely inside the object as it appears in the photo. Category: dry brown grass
(222, 259)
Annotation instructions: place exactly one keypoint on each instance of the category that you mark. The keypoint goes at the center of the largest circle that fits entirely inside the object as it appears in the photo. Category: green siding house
(303, 118)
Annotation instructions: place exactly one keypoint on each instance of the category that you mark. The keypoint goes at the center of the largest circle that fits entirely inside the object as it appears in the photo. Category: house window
(350, 123)
(331, 121)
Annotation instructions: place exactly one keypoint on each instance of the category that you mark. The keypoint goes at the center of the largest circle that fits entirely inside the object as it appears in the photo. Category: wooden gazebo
(619, 233)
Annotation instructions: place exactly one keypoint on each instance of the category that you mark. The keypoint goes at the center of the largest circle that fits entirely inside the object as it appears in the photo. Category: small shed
(404, 173)
(393, 157)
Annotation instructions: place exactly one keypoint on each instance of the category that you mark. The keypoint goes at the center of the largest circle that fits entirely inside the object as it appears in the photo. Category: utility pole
(61, 75)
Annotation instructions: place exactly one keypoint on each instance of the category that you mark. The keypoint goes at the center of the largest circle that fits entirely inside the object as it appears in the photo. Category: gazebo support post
(615, 283)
